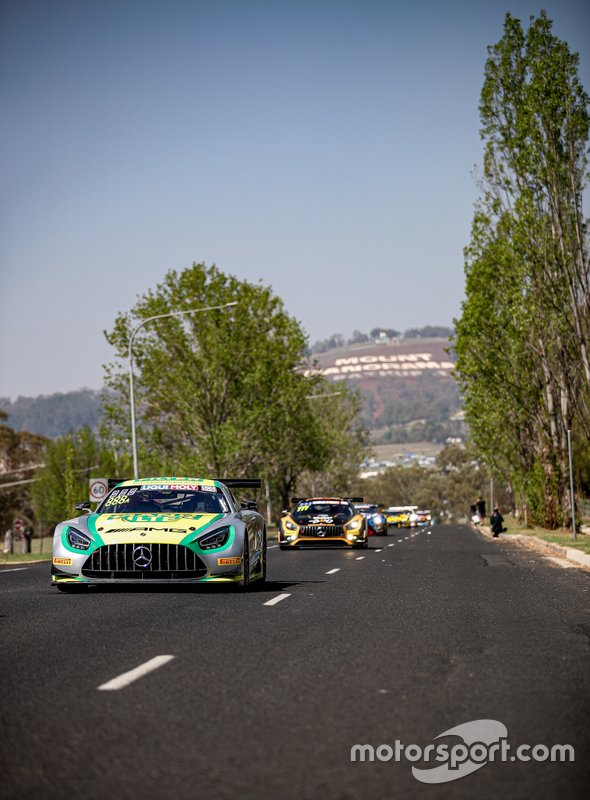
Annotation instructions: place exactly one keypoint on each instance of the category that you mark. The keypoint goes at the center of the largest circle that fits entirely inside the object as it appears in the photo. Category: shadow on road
(269, 587)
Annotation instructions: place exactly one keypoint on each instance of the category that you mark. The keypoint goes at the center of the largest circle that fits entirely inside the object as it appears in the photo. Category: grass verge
(561, 536)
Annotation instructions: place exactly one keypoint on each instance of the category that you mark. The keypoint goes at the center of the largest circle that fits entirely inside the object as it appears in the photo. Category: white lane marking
(359, 558)
(429, 532)
(16, 569)
(332, 571)
(390, 545)
(128, 677)
(276, 599)
(272, 547)
(379, 550)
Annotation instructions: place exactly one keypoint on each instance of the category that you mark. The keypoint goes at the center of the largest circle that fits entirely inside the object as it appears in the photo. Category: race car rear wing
(241, 483)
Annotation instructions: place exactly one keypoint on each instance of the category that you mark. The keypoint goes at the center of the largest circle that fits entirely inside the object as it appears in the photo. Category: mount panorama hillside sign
(397, 361)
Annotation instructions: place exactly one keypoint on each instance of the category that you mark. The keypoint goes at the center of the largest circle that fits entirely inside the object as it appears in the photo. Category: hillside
(53, 415)
(409, 392)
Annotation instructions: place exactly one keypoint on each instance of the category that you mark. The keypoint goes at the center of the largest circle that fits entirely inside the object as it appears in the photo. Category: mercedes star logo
(321, 531)
(142, 556)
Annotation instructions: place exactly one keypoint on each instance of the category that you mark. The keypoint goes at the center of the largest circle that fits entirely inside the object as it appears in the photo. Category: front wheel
(245, 582)
(262, 573)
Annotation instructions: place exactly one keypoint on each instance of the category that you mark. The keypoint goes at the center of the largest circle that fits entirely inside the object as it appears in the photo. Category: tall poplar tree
(523, 339)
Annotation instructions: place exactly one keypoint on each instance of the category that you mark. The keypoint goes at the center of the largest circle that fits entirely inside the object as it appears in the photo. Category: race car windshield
(309, 513)
(164, 500)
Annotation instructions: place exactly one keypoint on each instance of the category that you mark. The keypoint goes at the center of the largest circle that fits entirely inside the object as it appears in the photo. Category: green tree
(63, 480)
(221, 393)
(20, 452)
(522, 340)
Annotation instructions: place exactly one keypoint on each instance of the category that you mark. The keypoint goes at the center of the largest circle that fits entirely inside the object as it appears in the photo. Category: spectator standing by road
(26, 536)
(496, 521)
(9, 541)
(481, 507)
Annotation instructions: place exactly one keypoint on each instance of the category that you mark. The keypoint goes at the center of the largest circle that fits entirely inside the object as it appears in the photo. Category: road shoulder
(534, 543)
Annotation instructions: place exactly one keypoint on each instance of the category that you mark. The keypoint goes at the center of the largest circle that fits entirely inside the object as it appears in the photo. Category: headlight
(354, 525)
(216, 539)
(379, 519)
(77, 540)
(290, 526)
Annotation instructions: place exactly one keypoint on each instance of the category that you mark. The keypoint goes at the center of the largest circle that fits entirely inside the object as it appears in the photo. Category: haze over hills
(54, 415)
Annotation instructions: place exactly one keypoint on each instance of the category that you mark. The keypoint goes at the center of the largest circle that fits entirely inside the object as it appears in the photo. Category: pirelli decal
(229, 562)
(63, 562)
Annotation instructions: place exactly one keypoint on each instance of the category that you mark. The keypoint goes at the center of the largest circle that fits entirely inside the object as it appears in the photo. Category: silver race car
(169, 530)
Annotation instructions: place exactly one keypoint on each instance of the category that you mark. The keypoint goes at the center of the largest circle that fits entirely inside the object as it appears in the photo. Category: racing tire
(245, 582)
(262, 577)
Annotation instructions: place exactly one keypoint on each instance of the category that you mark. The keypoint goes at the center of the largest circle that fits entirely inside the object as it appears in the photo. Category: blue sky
(325, 148)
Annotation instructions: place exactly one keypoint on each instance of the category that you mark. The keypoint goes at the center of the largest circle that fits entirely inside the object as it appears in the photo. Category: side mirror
(284, 512)
(249, 505)
(85, 506)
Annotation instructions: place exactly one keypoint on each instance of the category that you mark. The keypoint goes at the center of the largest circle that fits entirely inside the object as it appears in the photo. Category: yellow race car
(323, 521)
(399, 516)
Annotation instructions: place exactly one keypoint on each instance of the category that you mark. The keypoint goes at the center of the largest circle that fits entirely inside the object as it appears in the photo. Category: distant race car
(376, 521)
(399, 516)
(423, 518)
(322, 521)
(163, 530)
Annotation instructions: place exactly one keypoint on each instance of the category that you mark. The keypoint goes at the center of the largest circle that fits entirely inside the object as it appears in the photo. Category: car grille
(326, 530)
(151, 561)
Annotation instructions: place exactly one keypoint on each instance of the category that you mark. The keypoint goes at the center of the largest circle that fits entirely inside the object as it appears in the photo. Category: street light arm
(320, 396)
(140, 325)
(130, 358)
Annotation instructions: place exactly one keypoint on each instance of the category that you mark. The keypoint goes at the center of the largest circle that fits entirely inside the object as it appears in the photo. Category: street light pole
(130, 354)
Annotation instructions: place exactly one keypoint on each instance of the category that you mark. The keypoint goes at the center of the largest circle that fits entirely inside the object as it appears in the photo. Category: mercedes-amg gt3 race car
(323, 521)
(166, 530)
(376, 521)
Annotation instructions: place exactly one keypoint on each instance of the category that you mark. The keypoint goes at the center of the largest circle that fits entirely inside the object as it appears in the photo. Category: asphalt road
(402, 642)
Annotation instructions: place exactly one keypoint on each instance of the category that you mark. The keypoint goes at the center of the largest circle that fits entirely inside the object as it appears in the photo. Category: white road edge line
(134, 674)
(332, 571)
(379, 550)
(16, 569)
(359, 558)
(276, 599)
(272, 546)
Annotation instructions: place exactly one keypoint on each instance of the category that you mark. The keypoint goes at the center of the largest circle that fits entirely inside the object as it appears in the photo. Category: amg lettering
(149, 530)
